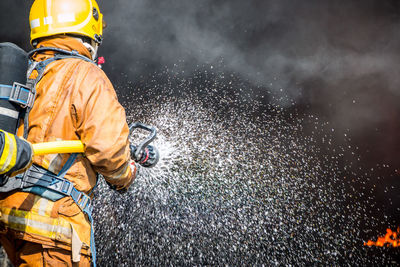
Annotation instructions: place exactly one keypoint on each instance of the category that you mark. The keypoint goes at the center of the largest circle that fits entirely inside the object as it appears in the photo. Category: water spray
(237, 183)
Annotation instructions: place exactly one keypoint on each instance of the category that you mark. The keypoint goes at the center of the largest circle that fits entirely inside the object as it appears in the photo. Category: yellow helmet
(51, 17)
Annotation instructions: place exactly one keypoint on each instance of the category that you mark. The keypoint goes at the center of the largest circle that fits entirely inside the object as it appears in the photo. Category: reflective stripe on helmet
(35, 23)
(48, 20)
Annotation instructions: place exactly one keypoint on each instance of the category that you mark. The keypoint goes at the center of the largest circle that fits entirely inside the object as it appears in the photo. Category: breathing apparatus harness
(36, 179)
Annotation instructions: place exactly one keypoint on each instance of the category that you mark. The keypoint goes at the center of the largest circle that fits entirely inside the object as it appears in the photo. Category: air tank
(13, 68)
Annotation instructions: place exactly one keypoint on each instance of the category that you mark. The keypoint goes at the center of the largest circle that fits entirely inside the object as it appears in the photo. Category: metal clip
(66, 187)
(15, 95)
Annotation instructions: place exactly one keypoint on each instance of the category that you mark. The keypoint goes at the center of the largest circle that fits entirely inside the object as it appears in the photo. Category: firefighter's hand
(16, 154)
(149, 157)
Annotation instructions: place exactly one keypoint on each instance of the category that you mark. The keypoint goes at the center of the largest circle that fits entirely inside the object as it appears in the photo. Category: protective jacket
(75, 101)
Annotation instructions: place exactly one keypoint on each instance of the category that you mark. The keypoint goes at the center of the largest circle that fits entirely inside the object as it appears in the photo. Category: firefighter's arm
(16, 154)
(101, 125)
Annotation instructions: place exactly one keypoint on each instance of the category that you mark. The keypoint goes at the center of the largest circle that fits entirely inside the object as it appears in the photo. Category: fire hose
(143, 153)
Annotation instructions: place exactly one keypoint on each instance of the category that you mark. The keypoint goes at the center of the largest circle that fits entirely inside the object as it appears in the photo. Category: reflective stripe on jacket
(59, 224)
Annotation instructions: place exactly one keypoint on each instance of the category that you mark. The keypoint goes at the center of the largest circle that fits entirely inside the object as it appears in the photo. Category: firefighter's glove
(148, 158)
(16, 154)
(125, 189)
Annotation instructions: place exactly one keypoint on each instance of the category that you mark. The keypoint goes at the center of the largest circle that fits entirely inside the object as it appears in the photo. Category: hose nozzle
(144, 154)
(149, 157)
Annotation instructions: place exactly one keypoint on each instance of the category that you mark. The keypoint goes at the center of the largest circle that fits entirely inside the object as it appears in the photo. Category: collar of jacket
(62, 42)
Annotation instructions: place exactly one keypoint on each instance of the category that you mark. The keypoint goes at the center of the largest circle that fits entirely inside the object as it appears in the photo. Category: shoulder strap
(68, 165)
(40, 68)
(61, 53)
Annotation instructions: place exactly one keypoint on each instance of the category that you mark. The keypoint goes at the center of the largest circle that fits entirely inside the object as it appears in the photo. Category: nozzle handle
(142, 145)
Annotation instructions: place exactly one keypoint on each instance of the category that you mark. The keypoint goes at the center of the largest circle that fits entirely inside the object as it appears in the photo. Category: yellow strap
(9, 156)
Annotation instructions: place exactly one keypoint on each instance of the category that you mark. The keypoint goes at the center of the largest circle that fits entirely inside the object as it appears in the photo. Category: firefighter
(40, 226)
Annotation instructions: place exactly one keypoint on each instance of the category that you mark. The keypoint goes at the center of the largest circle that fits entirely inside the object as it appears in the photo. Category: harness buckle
(66, 187)
(22, 95)
(81, 199)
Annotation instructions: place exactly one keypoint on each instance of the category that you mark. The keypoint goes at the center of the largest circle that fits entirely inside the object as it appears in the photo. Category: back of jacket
(76, 101)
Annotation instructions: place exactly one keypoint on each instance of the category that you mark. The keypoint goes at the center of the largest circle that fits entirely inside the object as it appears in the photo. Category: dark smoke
(338, 58)
(335, 62)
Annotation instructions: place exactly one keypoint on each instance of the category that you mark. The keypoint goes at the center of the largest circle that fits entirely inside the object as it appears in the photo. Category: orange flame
(390, 239)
